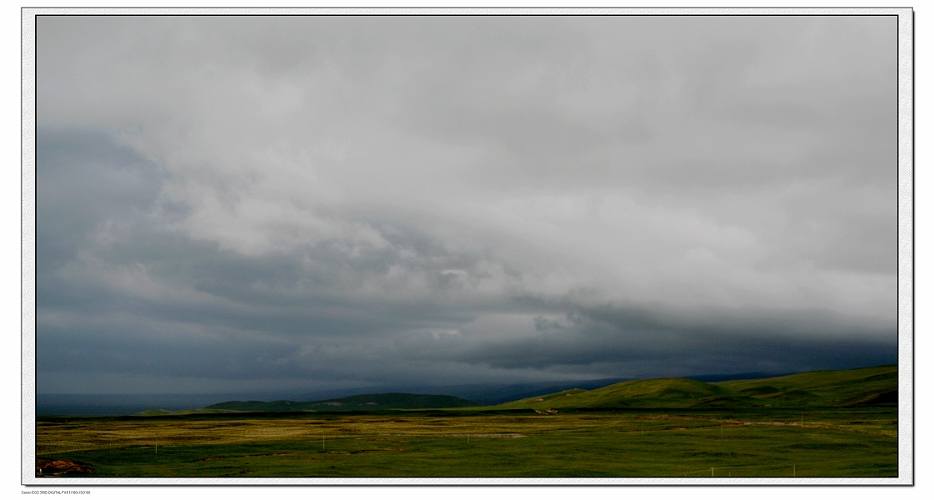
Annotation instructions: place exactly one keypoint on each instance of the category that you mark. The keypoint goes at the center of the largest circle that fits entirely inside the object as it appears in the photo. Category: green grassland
(819, 424)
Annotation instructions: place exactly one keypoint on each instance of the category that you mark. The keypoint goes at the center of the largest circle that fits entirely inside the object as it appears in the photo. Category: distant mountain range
(876, 386)
(483, 394)
(364, 402)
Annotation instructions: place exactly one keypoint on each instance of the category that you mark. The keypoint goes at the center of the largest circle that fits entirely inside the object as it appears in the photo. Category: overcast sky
(315, 202)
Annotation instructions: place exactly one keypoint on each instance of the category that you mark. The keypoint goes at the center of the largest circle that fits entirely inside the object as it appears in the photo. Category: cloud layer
(247, 203)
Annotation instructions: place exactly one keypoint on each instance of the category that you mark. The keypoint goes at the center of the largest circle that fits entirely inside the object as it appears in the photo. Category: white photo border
(905, 301)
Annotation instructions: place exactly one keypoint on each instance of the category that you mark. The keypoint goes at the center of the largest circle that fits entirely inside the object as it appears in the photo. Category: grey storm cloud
(268, 202)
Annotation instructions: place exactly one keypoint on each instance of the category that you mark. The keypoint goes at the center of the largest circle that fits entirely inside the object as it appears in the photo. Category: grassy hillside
(877, 386)
(653, 393)
(364, 402)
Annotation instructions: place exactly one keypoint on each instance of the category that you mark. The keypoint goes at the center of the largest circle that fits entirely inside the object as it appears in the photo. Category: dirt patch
(503, 435)
(61, 467)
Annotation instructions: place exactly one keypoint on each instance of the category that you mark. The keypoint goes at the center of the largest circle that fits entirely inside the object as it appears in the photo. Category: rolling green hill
(877, 386)
(364, 402)
(653, 393)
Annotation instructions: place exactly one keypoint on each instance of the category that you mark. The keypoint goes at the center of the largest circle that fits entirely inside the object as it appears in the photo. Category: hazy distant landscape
(815, 424)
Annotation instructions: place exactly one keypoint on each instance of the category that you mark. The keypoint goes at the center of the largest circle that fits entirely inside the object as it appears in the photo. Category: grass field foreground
(853, 442)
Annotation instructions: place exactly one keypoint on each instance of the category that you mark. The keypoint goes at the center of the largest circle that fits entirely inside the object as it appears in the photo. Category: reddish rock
(61, 467)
